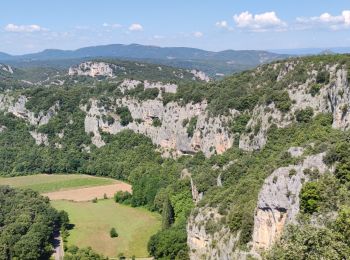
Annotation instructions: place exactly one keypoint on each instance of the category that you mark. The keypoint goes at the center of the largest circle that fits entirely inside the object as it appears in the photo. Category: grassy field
(55, 182)
(93, 222)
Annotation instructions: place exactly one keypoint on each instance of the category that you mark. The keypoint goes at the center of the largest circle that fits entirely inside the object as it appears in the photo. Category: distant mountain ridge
(222, 62)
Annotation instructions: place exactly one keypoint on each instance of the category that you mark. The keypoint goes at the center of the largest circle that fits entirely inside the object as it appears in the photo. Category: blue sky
(29, 26)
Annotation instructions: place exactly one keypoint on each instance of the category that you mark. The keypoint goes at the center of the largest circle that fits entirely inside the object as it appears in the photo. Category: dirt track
(86, 194)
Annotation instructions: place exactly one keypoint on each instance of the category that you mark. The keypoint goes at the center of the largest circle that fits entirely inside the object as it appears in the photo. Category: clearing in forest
(93, 221)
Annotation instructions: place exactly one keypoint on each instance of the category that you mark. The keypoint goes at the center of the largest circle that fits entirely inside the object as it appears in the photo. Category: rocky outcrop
(17, 107)
(209, 134)
(278, 202)
(200, 75)
(333, 98)
(93, 69)
(202, 244)
(128, 84)
(40, 138)
(208, 239)
(6, 68)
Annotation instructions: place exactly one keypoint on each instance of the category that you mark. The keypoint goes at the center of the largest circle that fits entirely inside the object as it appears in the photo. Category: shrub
(315, 89)
(113, 233)
(292, 172)
(125, 115)
(122, 197)
(322, 77)
(94, 200)
(281, 99)
(310, 197)
(156, 122)
(305, 115)
(185, 122)
(239, 123)
(192, 126)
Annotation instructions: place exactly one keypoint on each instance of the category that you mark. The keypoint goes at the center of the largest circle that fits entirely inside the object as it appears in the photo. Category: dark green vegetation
(156, 181)
(113, 233)
(76, 253)
(27, 223)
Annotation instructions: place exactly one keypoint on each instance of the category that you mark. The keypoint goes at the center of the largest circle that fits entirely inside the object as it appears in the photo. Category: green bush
(113, 233)
(305, 115)
(125, 115)
(192, 126)
(281, 99)
(310, 197)
(239, 123)
(315, 89)
(122, 197)
(156, 122)
(322, 77)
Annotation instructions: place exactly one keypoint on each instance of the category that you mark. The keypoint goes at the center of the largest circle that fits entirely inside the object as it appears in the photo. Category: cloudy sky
(29, 26)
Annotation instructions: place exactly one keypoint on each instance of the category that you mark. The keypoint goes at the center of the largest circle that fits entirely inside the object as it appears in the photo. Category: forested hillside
(250, 166)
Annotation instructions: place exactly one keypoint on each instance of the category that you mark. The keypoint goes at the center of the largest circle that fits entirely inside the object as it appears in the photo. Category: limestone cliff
(93, 69)
(209, 240)
(333, 97)
(209, 134)
(278, 202)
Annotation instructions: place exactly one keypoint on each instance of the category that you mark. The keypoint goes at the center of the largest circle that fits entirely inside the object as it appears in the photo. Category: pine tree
(167, 214)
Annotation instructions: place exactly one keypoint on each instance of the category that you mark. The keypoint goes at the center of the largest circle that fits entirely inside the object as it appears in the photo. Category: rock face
(6, 68)
(40, 138)
(332, 98)
(209, 244)
(200, 75)
(220, 245)
(93, 69)
(17, 107)
(128, 84)
(209, 134)
(278, 202)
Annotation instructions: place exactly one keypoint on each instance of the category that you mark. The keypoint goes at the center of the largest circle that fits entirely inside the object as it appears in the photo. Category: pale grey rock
(278, 202)
(17, 107)
(219, 245)
(6, 68)
(200, 75)
(209, 136)
(296, 151)
(93, 69)
(40, 138)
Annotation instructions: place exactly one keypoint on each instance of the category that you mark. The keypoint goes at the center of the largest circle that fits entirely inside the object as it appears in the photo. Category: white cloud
(113, 25)
(327, 20)
(198, 34)
(259, 22)
(223, 25)
(24, 28)
(136, 27)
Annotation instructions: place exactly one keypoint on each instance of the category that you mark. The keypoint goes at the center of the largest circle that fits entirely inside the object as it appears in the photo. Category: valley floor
(93, 221)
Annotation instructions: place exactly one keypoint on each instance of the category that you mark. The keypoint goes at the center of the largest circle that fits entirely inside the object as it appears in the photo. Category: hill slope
(268, 164)
(213, 63)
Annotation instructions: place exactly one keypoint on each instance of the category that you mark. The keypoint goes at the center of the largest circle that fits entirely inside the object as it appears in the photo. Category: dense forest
(27, 224)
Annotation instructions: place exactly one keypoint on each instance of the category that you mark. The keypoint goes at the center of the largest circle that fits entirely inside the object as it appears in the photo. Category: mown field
(93, 221)
(55, 182)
